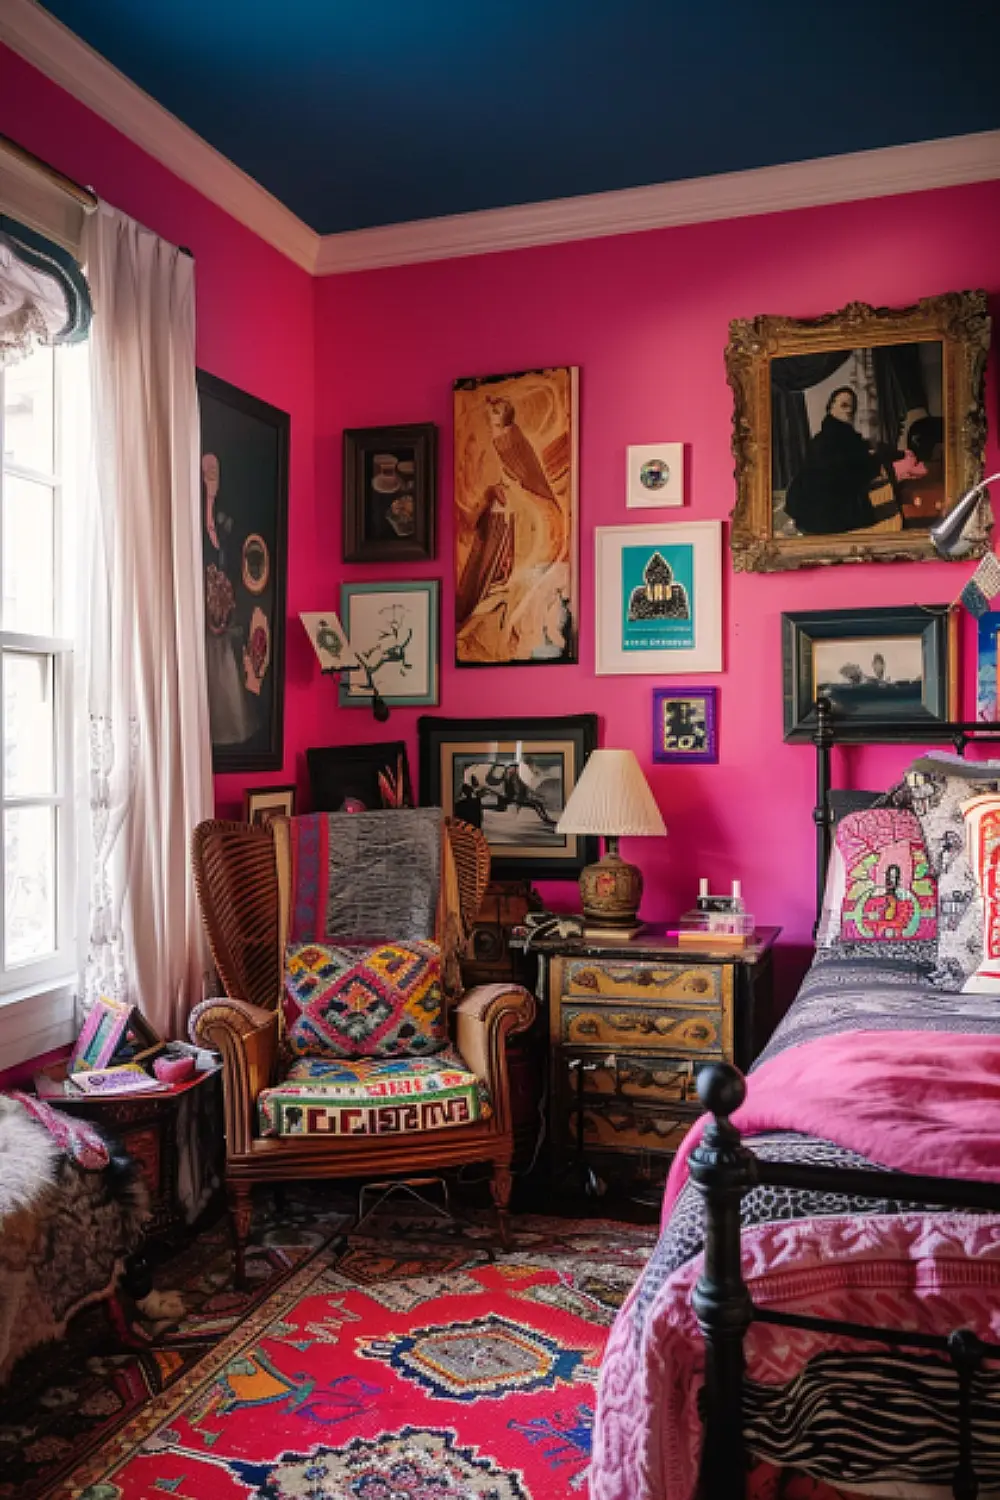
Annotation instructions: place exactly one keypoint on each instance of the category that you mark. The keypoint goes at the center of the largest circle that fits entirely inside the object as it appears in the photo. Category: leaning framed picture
(359, 778)
(244, 510)
(854, 431)
(393, 631)
(390, 493)
(686, 725)
(511, 778)
(263, 804)
(890, 672)
(516, 518)
(659, 598)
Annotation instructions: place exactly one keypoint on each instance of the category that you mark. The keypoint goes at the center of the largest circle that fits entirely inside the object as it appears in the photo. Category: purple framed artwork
(686, 725)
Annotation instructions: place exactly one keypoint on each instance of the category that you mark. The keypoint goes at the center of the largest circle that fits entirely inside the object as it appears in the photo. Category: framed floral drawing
(516, 562)
(853, 432)
(686, 725)
(393, 631)
(659, 598)
(390, 493)
(511, 778)
(244, 479)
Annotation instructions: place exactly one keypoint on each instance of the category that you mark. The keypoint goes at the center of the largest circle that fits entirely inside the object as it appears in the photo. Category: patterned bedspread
(852, 1415)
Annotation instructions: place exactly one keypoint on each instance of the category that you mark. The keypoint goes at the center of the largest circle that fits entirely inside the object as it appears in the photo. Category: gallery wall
(645, 317)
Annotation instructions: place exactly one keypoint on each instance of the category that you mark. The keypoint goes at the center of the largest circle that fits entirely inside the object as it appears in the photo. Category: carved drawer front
(606, 979)
(636, 1026)
(611, 1128)
(647, 1080)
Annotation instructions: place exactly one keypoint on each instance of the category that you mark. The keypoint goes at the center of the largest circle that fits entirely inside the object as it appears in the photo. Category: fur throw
(28, 1159)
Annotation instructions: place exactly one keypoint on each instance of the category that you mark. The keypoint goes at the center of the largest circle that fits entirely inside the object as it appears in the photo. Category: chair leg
(240, 1216)
(501, 1184)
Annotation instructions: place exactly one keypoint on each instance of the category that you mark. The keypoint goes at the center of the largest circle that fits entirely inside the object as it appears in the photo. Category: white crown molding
(62, 56)
(730, 195)
(55, 51)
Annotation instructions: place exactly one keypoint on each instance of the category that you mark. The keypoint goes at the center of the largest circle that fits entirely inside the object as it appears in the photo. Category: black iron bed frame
(724, 1170)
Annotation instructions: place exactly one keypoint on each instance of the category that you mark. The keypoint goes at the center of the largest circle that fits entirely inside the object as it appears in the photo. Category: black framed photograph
(890, 673)
(244, 524)
(511, 778)
(390, 493)
(359, 778)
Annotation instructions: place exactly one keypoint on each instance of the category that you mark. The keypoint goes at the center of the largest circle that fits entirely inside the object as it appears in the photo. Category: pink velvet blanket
(912, 1101)
(915, 1101)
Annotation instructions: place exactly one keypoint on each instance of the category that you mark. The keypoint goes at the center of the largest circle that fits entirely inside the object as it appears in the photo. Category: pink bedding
(916, 1102)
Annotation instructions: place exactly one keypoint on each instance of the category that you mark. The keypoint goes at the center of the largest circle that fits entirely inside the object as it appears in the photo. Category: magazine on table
(128, 1078)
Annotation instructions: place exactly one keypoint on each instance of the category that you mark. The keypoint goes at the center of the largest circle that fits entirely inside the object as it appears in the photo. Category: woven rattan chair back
(237, 885)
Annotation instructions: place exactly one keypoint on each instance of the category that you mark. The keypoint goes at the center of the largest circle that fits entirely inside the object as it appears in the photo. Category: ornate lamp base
(611, 890)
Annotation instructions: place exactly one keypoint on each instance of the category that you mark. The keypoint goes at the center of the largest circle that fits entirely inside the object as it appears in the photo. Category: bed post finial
(723, 1171)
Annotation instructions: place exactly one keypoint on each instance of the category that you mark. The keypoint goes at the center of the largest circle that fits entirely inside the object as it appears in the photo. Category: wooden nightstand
(631, 1023)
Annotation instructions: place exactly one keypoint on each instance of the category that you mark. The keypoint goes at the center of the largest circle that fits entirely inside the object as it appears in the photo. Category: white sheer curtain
(143, 657)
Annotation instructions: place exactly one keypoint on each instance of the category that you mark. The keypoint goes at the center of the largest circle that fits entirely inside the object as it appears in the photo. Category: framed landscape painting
(244, 510)
(890, 672)
(855, 431)
(516, 562)
(511, 778)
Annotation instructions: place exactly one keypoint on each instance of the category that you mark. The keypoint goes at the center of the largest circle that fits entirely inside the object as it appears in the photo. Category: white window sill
(36, 1019)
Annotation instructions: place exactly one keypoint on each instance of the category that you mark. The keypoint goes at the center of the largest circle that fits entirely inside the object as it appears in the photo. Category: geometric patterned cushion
(377, 1096)
(375, 1001)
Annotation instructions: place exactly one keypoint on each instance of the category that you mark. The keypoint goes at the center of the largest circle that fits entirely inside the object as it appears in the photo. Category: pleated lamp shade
(613, 798)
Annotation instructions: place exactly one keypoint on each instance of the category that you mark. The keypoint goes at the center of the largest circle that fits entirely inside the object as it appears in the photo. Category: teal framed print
(659, 598)
(393, 631)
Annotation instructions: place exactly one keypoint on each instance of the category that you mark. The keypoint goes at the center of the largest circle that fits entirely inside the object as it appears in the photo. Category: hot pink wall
(256, 327)
(646, 318)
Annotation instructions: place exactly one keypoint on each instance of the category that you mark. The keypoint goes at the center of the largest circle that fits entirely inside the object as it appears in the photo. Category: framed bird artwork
(516, 518)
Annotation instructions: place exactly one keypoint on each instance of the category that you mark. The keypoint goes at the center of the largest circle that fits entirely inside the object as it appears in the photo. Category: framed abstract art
(686, 725)
(244, 510)
(852, 432)
(516, 550)
(659, 598)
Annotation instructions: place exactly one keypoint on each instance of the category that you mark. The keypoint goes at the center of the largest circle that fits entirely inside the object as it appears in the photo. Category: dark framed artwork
(686, 726)
(244, 511)
(359, 778)
(854, 432)
(517, 518)
(511, 778)
(390, 493)
(876, 665)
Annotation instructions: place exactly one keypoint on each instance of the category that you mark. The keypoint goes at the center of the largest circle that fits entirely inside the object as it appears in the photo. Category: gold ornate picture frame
(855, 431)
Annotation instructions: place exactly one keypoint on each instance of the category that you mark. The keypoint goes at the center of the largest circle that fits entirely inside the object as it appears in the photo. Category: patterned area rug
(394, 1367)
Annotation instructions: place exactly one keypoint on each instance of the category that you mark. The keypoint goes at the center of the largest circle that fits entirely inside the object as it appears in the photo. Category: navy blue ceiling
(363, 112)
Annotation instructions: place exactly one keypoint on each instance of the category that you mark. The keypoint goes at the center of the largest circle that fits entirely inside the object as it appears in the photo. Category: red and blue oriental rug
(390, 1369)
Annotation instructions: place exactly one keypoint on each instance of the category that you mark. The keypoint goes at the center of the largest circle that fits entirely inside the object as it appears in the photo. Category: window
(37, 941)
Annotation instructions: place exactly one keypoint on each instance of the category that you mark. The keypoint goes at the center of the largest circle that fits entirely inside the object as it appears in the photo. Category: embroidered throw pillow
(842, 804)
(935, 789)
(982, 845)
(887, 893)
(380, 1000)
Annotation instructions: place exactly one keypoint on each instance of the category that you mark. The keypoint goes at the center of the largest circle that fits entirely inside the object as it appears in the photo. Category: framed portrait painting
(889, 672)
(393, 631)
(516, 551)
(390, 493)
(855, 431)
(244, 490)
(659, 598)
(685, 726)
(511, 778)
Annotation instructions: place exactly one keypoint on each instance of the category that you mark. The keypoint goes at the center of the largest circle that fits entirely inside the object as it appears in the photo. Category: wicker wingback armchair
(237, 884)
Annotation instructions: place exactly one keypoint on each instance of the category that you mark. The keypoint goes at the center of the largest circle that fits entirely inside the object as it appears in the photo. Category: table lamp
(612, 798)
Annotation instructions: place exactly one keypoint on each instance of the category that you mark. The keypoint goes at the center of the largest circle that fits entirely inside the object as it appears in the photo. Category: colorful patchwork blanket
(845, 1412)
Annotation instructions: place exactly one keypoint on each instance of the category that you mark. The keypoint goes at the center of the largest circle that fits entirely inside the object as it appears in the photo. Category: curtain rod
(82, 195)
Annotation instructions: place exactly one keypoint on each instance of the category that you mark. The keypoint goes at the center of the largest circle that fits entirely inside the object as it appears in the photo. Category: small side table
(148, 1126)
(631, 1023)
